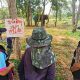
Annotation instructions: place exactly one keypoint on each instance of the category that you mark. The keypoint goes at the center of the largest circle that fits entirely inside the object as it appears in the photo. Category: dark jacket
(29, 72)
(76, 74)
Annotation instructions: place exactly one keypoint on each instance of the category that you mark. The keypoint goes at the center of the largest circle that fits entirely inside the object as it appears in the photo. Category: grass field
(64, 43)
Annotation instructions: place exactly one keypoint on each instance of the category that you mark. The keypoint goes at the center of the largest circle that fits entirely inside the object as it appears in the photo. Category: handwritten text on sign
(15, 27)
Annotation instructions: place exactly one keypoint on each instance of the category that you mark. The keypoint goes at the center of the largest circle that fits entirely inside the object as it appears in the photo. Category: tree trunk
(29, 13)
(28, 16)
(77, 15)
(31, 18)
(12, 8)
(76, 18)
(56, 14)
(73, 15)
(42, 18)
(56, 18)
(60, 15)
(13, 15)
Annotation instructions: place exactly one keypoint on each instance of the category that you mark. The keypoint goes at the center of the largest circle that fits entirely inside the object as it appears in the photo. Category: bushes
(1, 25)
(16, 63)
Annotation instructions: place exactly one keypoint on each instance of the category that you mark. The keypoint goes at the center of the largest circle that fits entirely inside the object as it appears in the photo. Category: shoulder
(27, 46)
(28, 49)
(27, 53)
(2, 60)
(2, 55)
(52, 66)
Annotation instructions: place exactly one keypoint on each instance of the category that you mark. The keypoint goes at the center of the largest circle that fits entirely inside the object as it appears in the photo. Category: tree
(4, 13)
(29, 13)
(31, 8)
(12, 8)
(57, 7)
(13, 15)
(75, 15)
(27, 8)
(40, 12)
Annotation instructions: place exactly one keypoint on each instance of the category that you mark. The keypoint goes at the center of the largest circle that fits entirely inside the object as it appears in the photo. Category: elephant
(40, 18)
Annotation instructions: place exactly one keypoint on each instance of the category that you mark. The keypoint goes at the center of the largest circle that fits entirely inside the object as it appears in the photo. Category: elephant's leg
(36, 23)
(43, 23)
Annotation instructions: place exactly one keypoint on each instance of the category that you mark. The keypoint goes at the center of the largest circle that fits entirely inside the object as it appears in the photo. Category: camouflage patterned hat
(41, 50)
(39, 38)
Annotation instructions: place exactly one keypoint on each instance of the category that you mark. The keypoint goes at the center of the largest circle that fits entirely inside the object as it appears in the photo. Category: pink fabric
(2, 69)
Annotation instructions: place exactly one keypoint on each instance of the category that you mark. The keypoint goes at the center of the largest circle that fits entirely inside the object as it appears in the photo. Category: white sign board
(15, 27)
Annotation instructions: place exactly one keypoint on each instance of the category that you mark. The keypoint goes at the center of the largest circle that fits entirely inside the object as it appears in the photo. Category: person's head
(39, 38)
(2, 48)
(2, 30)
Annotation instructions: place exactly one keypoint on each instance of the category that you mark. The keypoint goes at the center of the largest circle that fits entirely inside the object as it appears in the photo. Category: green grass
(1, 25)
(16, 63)
(71, 34)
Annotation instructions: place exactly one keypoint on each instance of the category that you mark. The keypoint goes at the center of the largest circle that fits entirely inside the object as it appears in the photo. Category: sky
(47, 8)
(4, 4)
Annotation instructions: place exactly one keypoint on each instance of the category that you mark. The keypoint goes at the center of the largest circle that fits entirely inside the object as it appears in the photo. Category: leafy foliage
(4, 13)
(22, 6)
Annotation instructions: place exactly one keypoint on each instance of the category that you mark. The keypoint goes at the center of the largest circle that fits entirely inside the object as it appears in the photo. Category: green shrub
(1, 25)
(16, 63)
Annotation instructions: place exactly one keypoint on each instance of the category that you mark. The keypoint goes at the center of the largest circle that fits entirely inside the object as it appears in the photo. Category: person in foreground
(38, 61)
(75, 65)
(5, 70)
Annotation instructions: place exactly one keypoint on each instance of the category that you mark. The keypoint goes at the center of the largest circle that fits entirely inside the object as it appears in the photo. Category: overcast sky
(47, 8)
(4, 3)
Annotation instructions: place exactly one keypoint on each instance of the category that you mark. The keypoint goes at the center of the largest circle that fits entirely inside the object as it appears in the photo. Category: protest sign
(15, 27)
